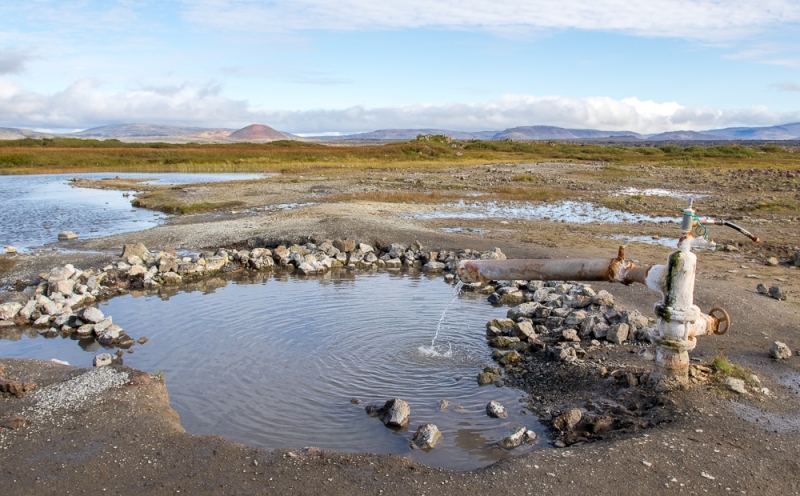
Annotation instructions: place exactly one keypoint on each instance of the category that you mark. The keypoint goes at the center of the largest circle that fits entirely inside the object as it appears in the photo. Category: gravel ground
(52, 401)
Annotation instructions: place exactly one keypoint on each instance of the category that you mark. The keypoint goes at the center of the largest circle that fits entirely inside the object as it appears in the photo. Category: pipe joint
(674, 345)
(670, 314)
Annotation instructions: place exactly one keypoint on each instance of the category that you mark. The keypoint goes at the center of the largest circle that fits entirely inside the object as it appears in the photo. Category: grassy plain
(31, 156)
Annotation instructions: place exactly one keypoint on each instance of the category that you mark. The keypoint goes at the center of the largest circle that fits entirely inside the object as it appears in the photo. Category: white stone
(109, 334)
(735, 385)
(306, 268)
(496, 410)
(28, 309)
(780, 351)
(91, 314)
(395, 413)
(9, 310)
(618, 333)
(102, 325)
(85, 330)
(425, 437)
(515, 439)
(102, 360)
(433, 267)
(137, 270)
(44, 320)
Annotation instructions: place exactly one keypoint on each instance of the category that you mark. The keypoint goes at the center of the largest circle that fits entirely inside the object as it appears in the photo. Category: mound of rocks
(57, 304)
(559, 317)
(143, 268)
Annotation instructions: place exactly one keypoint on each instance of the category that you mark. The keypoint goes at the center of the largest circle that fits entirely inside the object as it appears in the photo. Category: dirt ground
(708, 440)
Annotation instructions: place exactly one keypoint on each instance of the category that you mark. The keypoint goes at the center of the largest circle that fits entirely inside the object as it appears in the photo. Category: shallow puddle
(564, 211)
(274, 361)
(649, 240)
(682, 195)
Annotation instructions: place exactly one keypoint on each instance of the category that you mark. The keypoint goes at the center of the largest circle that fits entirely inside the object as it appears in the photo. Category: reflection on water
(567, 211)
(274, 361)
(35, 208)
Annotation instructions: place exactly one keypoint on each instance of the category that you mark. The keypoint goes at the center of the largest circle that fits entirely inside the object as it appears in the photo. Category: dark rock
(568, 420)
(486, 378)
(16, 388)
(15, 422)
(344, 245)
(777, 293)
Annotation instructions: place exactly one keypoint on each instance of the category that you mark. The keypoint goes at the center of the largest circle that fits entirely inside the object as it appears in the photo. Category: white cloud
(86, 104)
(781, 54)
(691, 19)
(12, 60)
(787, 86)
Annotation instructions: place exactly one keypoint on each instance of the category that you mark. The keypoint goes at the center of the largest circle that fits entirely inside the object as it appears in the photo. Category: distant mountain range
(144, 133)
(536, 133)
(261, 133)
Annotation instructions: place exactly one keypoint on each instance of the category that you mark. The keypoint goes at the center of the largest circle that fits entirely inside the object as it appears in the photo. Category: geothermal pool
(273, 361)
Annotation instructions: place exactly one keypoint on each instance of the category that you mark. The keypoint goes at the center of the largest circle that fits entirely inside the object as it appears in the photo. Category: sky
(336, 67)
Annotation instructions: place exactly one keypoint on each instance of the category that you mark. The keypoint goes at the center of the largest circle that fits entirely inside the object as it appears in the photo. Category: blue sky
(317, 66)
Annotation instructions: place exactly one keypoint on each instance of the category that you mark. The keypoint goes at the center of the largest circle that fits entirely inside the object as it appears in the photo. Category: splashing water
(432, 350)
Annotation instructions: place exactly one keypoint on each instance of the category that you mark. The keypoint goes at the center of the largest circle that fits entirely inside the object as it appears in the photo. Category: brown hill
(257, 132)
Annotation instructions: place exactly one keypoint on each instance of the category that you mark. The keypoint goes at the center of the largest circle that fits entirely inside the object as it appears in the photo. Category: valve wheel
(722, 319)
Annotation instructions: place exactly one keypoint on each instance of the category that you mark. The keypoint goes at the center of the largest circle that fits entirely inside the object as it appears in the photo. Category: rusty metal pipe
(567, 269)
(723, 222)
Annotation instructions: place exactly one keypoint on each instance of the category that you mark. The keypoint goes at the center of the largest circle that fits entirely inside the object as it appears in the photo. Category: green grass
(725, 368)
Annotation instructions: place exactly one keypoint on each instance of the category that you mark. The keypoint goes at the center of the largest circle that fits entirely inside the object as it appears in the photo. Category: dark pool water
(274, 362)
(35, 208)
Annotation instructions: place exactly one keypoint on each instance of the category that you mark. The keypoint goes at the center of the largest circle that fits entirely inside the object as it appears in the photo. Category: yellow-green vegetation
(6, 264)
(74, 155)
(773, 207)
(183, 208)
(526, 178)
(609, 173)
(725, 368)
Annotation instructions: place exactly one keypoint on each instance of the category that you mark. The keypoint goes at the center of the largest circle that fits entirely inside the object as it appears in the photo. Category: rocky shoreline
(548, 323)
(553, 323)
